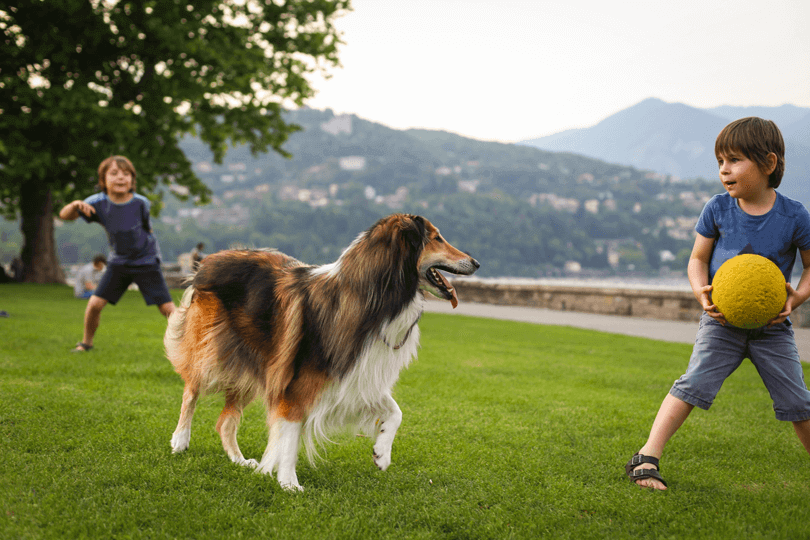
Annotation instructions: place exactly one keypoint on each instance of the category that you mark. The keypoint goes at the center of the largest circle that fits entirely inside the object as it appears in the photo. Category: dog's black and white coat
(322, 345)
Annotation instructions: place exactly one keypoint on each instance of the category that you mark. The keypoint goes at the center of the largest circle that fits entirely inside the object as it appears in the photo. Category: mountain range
(678, 140)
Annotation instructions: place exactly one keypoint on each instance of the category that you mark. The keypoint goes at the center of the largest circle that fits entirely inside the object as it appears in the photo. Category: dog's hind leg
(182, 434)
(386, 431)
(228, 425)
(282, 452)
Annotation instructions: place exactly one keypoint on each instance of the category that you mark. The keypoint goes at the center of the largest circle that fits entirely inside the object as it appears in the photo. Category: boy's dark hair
(100, 259)
(754, 138)
(123, 163)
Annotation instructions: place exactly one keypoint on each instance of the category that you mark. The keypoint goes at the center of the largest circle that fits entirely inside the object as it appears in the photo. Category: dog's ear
(413, 231)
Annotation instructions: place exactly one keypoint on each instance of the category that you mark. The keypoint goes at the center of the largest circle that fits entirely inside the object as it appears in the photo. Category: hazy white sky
(510, 70)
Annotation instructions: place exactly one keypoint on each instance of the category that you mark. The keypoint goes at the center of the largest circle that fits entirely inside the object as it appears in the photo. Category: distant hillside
(678, 140)
(345, 149)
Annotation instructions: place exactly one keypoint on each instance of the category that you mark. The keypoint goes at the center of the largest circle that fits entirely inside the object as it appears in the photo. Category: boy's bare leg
(92, 317)
(670, 417)
(803, 431)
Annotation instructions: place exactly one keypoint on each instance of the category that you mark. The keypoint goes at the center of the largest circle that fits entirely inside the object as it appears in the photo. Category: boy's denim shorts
(149, 278)
(719, 350)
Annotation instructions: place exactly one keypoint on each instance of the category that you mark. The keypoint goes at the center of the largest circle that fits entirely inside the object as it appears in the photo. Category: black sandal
(640, 474)
(82, 347)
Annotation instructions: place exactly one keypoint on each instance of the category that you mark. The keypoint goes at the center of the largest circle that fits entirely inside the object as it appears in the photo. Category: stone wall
(647, 303)
(673, 305)
(175, 276)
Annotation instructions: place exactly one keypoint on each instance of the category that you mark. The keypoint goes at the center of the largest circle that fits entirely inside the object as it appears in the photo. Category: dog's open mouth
(440, 283)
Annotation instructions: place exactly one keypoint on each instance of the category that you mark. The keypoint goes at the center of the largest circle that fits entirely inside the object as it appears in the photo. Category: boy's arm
(796, 297)
(698, 271)
(72, 210)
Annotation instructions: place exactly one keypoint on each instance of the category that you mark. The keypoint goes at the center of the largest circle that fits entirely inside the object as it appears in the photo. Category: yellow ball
(749, 290)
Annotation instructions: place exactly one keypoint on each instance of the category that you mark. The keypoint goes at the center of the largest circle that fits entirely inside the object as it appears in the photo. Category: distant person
(134, 251)
(4, 277)
(17, 268)
(751, 217)
(88, 276)
(197, 256)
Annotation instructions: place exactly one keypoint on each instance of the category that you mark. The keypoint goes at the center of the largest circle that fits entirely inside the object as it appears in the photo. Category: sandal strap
(641, 474)
(638, 459)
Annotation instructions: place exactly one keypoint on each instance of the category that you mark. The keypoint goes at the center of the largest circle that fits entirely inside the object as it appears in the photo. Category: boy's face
(117, 180)
(741, 177)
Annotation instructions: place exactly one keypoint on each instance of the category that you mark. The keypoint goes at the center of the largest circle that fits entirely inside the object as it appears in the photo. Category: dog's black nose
(476, 264)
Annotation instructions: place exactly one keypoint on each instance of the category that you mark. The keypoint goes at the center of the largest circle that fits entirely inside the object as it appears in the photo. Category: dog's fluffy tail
(176, 328)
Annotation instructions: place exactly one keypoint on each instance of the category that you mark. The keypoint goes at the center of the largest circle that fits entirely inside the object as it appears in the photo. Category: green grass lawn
(510, 430)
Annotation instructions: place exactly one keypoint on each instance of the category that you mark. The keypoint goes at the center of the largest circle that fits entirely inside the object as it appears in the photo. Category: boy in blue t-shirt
(134, 251)
(751, 217)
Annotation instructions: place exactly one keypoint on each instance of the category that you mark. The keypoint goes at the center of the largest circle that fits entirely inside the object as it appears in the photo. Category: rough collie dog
(323, 345)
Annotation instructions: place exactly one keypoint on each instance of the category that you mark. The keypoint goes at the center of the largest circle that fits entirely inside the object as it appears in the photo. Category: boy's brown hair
(123, 163)
(754, 138)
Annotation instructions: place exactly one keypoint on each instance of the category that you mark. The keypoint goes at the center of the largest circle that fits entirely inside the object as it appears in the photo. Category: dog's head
(434, 256)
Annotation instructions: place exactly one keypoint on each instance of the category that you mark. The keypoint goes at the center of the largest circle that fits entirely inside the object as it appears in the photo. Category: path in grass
(511, 430)
(660, 329)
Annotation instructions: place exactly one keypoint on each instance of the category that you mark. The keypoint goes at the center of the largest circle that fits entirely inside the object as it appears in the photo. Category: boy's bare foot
(643, 471)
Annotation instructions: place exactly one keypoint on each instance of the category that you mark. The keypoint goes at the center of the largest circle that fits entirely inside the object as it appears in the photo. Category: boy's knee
(96, 304)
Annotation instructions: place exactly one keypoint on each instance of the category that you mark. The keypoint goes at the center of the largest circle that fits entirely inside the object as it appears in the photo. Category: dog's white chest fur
(363, 395)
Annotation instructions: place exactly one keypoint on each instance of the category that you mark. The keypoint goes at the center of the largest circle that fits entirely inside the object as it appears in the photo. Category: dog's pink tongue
(450, 289)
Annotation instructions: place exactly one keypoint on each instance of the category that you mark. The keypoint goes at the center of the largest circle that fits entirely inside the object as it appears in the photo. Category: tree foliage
(84, 79)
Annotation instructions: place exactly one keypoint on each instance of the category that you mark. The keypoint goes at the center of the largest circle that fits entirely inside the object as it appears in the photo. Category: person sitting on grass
(134, 251)
(751, 217)
(88, 276)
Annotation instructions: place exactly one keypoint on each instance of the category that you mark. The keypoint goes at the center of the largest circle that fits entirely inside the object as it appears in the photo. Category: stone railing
(647, 303)
(175, 276)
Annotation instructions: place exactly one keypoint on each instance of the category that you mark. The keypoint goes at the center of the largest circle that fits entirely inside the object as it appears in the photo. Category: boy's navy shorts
(719, 350)
(149, 279)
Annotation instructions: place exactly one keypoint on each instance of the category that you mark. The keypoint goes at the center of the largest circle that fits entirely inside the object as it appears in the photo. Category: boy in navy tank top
(134, 252)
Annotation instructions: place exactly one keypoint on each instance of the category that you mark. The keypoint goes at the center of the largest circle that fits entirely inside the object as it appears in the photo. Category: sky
(512, 70)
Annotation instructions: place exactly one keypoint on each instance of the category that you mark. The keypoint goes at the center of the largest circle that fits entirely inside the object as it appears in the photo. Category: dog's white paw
(251, 463)
(288, 480)
(180, 440)
(289, 486)
(382, 457)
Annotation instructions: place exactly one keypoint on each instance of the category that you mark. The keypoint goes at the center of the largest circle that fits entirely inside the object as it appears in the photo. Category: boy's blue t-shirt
(129, 229)
(776, 235)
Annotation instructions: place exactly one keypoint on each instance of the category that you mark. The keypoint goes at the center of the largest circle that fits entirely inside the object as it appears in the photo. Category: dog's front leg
(282, 452)
(386, 431)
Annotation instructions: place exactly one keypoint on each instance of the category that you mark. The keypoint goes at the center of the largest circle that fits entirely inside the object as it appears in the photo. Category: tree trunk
(41, 263)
